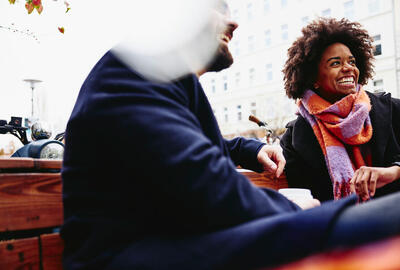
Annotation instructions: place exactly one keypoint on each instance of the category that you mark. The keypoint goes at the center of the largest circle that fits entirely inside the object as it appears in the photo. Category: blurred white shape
(167, 39)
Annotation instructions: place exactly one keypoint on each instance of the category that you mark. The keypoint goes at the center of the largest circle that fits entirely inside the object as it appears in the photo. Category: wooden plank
(16, 163)
(265, 179)
(30, 201)
(52, 249)
(383, 255)
(19, 254)
(41, 164)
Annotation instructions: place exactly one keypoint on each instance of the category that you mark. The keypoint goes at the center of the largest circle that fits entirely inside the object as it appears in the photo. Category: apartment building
(267, 28)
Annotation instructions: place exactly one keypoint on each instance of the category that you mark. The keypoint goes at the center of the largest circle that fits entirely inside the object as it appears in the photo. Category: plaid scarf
(340, 129)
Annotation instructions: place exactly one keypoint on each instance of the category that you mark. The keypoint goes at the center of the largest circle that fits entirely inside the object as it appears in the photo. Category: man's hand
(367, 179)
(271, 158)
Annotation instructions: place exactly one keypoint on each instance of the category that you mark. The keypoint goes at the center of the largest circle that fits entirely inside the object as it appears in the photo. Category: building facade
(267, 28)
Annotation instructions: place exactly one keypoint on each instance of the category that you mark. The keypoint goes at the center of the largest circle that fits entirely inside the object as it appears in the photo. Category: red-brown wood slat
(17, 163)
(265, 179)
(20, 254)
(29, 164)
(52, 249)
(30, 201)
(41, 164)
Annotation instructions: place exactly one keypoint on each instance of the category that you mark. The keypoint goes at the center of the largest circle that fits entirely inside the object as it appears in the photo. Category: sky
(62, 61)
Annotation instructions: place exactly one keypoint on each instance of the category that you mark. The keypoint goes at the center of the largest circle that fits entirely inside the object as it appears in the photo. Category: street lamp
(32, 83)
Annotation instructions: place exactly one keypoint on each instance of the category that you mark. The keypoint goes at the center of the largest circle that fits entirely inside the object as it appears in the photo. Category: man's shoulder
(109, 66)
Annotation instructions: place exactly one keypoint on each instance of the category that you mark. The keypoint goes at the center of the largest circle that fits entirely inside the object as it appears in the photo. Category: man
(149, 183)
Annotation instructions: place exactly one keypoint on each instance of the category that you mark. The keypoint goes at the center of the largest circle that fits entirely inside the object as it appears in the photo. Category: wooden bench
(265, 179)
(31, 213)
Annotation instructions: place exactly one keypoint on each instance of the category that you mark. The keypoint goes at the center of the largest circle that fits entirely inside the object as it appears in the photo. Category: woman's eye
(335, 63)
(352, 62)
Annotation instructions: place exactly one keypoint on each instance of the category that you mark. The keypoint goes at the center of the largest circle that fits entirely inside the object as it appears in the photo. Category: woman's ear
(316, 86)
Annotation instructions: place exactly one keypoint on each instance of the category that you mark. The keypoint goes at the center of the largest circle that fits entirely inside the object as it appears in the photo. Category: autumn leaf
(29, 7)
(61, 29)
(67, 6)
(39, 8)
(11, 1)
(36, 2)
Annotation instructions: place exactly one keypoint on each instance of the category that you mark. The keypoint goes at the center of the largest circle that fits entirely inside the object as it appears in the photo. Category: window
(239, 116)
(267, 35)
(251, 43)
(267, 6)
(237, 79)
(213, 90)
(378, 86)
(251, 75)
(253, 109)
(326, 12)
(226, 118)
(239, 113)
(235, 15)
(349, 10)
(373, 6)
(378, 49)
(225, 83)
(268, 68)
(237, 48)
(285, 34)
(270, 108)
(250, 11)
(284, 3)
(377, 45)
(304, 21)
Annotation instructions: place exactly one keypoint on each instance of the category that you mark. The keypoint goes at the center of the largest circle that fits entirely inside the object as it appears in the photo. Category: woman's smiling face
(337, 73)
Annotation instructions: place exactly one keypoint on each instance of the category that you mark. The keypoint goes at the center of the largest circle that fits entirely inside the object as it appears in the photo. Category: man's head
(223, 58)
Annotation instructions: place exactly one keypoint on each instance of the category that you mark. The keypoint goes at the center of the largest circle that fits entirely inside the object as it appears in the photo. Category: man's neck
(201, 72)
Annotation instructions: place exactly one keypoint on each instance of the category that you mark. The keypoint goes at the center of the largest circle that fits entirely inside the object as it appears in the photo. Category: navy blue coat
(302, 150)
(149, 183)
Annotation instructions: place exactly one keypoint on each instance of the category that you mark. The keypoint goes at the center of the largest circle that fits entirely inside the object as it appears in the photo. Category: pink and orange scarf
(344, 124)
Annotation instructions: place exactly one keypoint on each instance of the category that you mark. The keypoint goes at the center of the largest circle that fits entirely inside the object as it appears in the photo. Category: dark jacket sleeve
(294, 169)
(299, 172)
(191, 181)
(244, 152)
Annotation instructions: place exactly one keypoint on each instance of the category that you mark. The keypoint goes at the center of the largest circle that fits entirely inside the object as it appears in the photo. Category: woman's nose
(347, 67)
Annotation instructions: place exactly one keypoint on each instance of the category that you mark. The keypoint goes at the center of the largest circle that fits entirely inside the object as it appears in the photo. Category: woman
(345, 139)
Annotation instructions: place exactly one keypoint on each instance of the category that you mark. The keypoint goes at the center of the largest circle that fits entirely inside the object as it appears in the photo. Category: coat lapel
(306, 144)
(381, 118)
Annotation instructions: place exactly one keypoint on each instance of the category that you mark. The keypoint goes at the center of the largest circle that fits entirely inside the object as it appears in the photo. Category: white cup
(296, 194)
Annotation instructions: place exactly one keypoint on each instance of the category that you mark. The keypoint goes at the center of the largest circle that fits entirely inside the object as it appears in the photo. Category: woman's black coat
(305, 162)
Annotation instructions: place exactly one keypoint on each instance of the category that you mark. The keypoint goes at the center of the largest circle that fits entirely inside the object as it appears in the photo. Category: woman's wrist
(395, 168)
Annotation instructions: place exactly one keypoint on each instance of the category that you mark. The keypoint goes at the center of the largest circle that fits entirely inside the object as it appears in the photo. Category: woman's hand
(367, 179)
